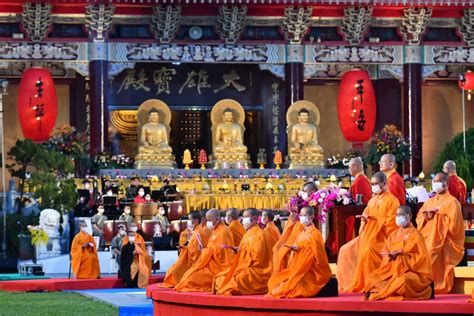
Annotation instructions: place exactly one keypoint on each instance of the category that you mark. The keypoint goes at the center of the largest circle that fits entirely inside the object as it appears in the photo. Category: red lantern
(37, 104)
(356, 107)
(467, 83)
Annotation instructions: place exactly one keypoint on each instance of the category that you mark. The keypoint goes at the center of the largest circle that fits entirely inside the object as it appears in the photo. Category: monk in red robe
(362, 255)
(441, 223)
(84, 260)
(213, 259)
(308, 270)
(271, 230)
(395, 183)
(236, 228)
(456, 185)
(405, 271)
(252, 265)
(190, 251)
(361, 184)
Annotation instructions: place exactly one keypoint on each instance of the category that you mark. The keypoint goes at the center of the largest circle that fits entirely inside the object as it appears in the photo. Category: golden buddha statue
(153, 148)
(303, 148)
(227, 127)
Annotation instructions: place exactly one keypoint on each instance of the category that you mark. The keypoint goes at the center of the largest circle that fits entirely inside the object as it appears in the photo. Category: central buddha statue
(229, 150)
(303, 147)
(153, 148)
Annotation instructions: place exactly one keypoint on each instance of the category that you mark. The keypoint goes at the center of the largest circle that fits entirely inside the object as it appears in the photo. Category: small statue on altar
(228, 128)
(153, 149)
(303, 148)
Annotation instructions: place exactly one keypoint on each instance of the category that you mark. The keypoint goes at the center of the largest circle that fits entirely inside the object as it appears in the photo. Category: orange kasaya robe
(273, 233)
(444, 238)
(237, 230)
(308, 270)
(251, 268)
(362, 255)
(84, 261)
(361, 185)
(187, 257)
(396, 185)
(141, 266)
(281, 253)
(213, 259)
(457, 188)
(140, 242)
(408, 277)
(183, 237)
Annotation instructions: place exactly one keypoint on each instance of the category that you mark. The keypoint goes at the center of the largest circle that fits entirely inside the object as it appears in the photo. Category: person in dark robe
(127, 257)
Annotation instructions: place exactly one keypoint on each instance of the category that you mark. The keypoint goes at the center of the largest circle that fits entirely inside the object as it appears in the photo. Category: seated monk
(84, 260)
(291, 231)
(405, 272)
(140, 242)
(441, 223)
(308, 269)
(252, 265)
(395, 184)
(362, 255)
(236, 228)
(133, 266)
(361, 184)
(456, 185)
(190, 250)
(271, 231)
(213, 259)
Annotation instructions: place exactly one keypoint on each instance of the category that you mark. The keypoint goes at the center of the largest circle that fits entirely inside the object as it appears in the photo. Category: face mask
(84, 229)
(210, 224)
(437, 186)
(189, 225)
(100, 210)
(304, 220)
(147, 198)
(401, 220)
(376, 189)
(247, 222)
(141, 193)
(122, 233)
(110, 193)
(304, 195)
(228, 220)
(131, 238)
(162, 212)
(127, 211)
(262, 220)
(134, 229)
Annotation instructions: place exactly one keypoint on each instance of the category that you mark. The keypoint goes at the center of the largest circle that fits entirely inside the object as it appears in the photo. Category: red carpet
(52, 285)
(169, 303)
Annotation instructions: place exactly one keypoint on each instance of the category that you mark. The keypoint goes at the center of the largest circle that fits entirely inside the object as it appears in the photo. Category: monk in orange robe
(441, 223)
(405, 272)
(395, 183)
(134, 267)
(213, 259)
(308, 269)
(271, 230)
(291, 231)
(140, 242)
(236, 228)
(362, 255)
(252, 265)
(361, 184)
(190, 251)
(84, 260)
(456, 185)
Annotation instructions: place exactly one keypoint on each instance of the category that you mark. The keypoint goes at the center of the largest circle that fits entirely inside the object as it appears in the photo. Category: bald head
(231, 214)
(356, 166)
(403, 216)
(387, 162)
(213, 218)
(307, 211)
(310, 187)
(379, 183)
(449, 167)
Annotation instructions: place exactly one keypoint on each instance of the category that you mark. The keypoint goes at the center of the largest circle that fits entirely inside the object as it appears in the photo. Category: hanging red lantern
(356, 106)
(37, 104)
(466, 82)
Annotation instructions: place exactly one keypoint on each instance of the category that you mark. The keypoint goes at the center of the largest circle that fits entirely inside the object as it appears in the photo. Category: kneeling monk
(213, 259)
(84, 260)
(252, 266)
(190, 251)
(308, 267)
(405, 272)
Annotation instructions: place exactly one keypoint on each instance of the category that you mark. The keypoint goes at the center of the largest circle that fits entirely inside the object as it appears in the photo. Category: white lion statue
(49, 222)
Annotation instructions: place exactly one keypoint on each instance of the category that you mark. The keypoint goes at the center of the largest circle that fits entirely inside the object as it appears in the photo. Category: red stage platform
(52, 285)
(168, 302)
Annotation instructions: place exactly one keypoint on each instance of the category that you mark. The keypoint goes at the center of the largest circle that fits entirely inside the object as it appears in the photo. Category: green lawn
(51, 303)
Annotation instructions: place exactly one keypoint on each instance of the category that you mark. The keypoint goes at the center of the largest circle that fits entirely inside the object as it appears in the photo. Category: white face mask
(247, 222)
(127, 211)
(262, 220)
(401, 220)
(210, 224)
(304, 220)
(110, 193)
(131, 238)
(141, 193)
(303, 195)
(122, 233)
(228, 220)
(437, 186)
(84, 229)
(189, 225)
(100, 210)
(376, 189)
(134, 229)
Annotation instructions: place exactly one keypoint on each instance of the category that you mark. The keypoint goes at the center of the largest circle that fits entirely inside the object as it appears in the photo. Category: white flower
(345, 201)
(323, 195)
(320, 200)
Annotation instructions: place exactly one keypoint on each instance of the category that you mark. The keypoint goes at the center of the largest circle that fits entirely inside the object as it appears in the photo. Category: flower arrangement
(104, 160)
(38, 236)
(338, 161)
(67, 140)
(389, 140)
